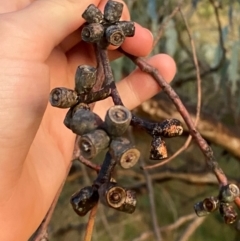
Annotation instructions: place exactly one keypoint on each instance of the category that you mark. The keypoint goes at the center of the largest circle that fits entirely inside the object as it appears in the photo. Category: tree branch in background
(164, 24)
(192, 228)
(210, 70)
(149, 184)
(169, 228)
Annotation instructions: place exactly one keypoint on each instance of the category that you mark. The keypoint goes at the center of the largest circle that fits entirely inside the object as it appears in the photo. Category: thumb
(40, 27)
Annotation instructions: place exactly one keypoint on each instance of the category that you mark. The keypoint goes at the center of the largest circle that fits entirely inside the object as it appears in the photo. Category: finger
(140, 44)
(140, 86)
(71, 41)
(13, 5)
(53, 20)
(22, 108)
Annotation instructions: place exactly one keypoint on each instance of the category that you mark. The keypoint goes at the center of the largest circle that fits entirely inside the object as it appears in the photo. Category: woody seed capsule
(113, 11)
(92, 32)
(229, 193)
(228, 213)
(84, 121)
(68, 118)
(114, 35)
(85, 78)
(127, 27)
(63, 97)
(117, 120)
(210, 204)
(124, 152)
(93, 143)
(130, 203)
(84, 200)
(112, 195)
(168, 128)
(158, 149)
(200, 209)
(92, 14)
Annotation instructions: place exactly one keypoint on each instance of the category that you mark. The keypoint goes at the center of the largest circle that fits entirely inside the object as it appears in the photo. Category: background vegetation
(215, 29)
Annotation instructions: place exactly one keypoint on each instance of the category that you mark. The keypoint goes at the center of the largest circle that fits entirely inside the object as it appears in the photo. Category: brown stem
(90, 225)
(89, 164)
(109, 77)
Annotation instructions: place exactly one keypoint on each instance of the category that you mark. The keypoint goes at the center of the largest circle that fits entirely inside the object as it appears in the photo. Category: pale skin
(40, 49)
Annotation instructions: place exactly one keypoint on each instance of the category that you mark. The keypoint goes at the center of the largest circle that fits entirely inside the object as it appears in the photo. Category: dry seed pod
(68, 118)
(114, 35)
(112, 195)
(228, 213)
(200, 209)
(84, 200)
(84, 121)
(158, 149)
(117, 120)
(81, 105)
(211, 204)
(63, 98)
(85, 78)
(92, 33)
(128, 28)
(92, 14)
(93, 143)
(124, 152)
(229, 193)
(168, 128)
(113, 11)
(130, 203)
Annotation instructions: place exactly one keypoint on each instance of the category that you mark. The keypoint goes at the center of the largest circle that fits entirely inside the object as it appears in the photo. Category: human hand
(40, 49)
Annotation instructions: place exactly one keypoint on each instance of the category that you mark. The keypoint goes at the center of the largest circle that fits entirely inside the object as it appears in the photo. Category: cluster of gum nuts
(222, 203)
(97, 134)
